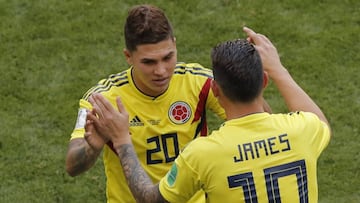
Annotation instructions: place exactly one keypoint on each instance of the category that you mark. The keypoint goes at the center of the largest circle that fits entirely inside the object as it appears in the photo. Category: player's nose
(160, 69)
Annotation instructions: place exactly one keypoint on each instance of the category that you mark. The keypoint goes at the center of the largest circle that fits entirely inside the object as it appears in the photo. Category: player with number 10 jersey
(261, 157)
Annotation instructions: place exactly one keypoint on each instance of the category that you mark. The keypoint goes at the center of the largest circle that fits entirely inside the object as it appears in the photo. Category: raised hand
(295, 97)
(108, 122)
(92, 137)
(269, 56)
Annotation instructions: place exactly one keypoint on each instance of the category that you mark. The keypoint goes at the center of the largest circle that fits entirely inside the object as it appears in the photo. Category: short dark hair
(238, 70)
(146, 24)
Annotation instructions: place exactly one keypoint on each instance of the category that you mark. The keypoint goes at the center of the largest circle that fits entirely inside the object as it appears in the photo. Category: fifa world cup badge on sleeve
(81, 119)
(171, 175)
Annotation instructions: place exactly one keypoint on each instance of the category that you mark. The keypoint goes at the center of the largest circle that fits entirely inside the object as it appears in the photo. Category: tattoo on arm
(82, 158)
(139, 182)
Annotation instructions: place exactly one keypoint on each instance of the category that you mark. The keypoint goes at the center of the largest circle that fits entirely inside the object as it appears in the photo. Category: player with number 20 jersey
(160, 126)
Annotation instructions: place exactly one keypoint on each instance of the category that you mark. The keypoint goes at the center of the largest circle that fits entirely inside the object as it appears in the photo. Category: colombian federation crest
(179, 112)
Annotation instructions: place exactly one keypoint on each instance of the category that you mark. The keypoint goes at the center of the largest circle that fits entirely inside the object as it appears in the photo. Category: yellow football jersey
(160, 126)
(258, 158)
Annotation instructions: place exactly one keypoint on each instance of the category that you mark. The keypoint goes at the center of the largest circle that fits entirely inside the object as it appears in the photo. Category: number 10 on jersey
(272, 176)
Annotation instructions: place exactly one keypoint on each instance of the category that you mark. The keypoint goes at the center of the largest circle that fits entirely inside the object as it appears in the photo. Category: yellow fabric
(249, 156)
(157, 135)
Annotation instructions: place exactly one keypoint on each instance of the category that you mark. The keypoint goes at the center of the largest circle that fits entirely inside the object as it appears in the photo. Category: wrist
(279, 74)
(95, 148)
(120, 146)
(92, 151)
(124, 139)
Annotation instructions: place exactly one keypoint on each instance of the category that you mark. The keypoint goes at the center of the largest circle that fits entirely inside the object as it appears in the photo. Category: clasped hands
(107, 122)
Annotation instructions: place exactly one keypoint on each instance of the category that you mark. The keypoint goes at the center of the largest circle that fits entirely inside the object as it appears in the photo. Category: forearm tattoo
(139, 182)
(83, 158)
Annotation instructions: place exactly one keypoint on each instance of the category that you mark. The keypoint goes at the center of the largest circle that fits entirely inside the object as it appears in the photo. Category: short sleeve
(79, 130)
(314, 131)
(321, 135)
(181, 182)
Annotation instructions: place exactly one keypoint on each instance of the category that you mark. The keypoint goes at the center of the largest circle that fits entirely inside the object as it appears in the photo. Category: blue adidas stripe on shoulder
(193, 68)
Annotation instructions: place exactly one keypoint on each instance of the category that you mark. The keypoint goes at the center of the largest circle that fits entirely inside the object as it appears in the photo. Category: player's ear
(265, 80)
(127, 55)
(215, 88)
(174, 41)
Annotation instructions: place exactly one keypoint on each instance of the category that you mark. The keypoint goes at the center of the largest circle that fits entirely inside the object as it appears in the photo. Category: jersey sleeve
(321, 134)
(211, 101)
(214, 106)
(79, 130)
(181, 182)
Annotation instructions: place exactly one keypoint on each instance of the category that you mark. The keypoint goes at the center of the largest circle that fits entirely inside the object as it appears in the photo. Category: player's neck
(238, 110)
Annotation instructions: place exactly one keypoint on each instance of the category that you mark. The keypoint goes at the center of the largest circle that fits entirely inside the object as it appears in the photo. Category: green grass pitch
(51, 52)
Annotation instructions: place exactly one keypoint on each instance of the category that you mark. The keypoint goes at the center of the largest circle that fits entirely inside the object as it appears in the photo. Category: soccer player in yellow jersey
(254, 156)
(166, 101)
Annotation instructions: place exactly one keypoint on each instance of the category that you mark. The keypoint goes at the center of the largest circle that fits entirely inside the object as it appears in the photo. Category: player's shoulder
(202, 147)
(302, 115)
(192, 69)
(105, 84)
(116, 78)
(298, 121)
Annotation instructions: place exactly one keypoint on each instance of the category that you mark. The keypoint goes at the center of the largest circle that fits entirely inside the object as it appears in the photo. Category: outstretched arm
(114, 125)
(295, 97)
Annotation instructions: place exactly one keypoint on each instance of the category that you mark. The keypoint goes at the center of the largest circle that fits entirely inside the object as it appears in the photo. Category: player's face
(153, 66)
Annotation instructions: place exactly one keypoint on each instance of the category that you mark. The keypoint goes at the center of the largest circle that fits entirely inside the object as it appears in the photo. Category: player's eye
(148, 62)
(168, 57)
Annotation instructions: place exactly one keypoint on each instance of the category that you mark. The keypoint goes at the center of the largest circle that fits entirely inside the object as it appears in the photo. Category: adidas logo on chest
(136, 122)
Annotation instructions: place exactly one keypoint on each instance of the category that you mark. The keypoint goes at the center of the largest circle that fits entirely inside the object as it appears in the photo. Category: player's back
(260, 158)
